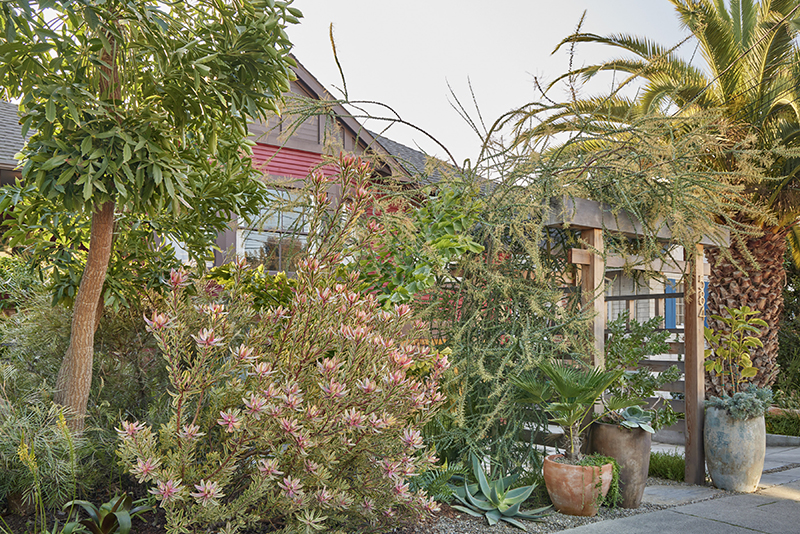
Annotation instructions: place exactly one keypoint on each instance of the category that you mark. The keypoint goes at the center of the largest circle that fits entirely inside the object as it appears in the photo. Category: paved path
(773, 509)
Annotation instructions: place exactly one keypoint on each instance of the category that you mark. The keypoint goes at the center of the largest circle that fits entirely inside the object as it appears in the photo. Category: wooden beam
(593, 290)
(580, 214)
(581, 256)
(695, 373)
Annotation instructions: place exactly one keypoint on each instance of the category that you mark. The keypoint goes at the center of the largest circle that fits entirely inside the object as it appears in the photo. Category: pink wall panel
(287, 162)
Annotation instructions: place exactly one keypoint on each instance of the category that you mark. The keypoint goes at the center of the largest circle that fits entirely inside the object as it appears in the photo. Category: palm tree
(752, 78)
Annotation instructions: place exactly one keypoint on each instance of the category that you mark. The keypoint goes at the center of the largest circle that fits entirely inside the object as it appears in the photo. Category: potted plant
(577, 484)
(626, 435)
(627, 438)
(734, 433)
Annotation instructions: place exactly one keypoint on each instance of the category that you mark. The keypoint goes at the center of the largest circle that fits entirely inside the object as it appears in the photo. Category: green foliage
(435, 481)
(613, 497)
(788, 379)
(15, 281)
(729, 355)
(630, 341)
(412, 248)
(112, 517)
(753, 402)
(669, 465)
(628, 344)
(568, 396)
(268, 291)
(494, 499)
(785, 424)
(41, 459)
(308, 417)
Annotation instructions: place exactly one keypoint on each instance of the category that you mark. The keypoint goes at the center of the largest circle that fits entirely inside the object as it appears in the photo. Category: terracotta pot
(631, 449)
(576, 489)
(735, 450)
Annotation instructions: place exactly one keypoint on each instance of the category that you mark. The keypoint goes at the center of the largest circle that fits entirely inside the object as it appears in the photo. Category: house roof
(11, 140)
(415, 162)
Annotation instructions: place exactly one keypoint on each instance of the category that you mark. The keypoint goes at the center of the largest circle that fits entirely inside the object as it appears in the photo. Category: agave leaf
(91, 509)
(493, 497)
(480, 475)
(493, 516)
(124, 520)
(534, 514)
(519, 495)
(510, 511)
(478, 503)
(466, 510)
(514, 522)
(506, 482)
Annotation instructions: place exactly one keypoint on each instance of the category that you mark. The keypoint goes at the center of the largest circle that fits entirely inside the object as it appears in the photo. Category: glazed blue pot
(735, 450)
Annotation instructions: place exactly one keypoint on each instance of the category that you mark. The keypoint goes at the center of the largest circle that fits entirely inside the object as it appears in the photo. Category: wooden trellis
(591, 219)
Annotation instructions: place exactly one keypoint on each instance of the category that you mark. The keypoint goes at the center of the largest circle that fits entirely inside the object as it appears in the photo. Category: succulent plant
(635, 417)
(494, 500)
(112, 517)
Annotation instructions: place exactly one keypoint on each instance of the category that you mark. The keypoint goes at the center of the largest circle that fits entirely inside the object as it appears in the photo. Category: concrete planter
(631, 449)
(576, 489)
(735, 450)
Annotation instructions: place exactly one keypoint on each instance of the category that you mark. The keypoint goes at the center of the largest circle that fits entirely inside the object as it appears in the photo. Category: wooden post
(593, 291)
(694, 338)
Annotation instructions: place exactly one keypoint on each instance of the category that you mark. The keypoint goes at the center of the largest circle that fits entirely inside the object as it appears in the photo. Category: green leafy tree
(751, 79)
(137, 107)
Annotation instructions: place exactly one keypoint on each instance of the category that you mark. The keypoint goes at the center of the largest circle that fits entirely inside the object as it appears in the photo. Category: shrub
(307, 417)
(41, 460)
(669, 465)
(785, 424)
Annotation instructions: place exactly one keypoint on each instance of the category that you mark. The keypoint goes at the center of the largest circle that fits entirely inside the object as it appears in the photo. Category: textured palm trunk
(75, 375)
(760, 287)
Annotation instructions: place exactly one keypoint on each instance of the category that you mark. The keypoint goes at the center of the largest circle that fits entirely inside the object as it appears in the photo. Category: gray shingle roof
(412, 160)
(11, 140)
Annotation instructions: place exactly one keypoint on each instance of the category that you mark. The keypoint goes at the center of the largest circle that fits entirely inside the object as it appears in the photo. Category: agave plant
(494, 500)
(113, 517)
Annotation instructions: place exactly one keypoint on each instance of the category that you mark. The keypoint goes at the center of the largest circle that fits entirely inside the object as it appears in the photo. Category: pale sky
(404, 53)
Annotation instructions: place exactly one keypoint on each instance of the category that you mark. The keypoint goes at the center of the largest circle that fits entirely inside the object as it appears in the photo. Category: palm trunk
(758, 286)
(75, 375)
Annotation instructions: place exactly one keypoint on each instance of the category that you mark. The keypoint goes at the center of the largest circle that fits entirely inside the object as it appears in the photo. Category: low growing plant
(785, 424)
(113, 517)
(614, 496)
(42, 462)
(307, 417)
(494, 499)
(753, 402)
(669, 465)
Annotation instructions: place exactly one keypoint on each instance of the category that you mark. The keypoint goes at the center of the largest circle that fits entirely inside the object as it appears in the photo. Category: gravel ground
(451, 521)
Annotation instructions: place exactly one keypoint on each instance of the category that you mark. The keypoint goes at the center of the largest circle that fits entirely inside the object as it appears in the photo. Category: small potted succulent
(734, 432)
(577, 484)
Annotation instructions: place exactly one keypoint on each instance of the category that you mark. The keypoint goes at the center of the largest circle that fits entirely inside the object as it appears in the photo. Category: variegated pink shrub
(307, 416)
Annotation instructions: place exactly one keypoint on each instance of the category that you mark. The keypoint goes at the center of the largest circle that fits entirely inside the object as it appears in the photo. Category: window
(279, 236)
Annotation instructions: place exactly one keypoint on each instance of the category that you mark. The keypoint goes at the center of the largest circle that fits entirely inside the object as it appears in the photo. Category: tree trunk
(75, 375)
(758, 286)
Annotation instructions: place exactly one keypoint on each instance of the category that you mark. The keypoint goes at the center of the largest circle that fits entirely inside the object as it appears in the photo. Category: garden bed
(446, 521)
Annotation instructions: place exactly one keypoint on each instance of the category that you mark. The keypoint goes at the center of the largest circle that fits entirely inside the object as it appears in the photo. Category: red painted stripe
(287, 162)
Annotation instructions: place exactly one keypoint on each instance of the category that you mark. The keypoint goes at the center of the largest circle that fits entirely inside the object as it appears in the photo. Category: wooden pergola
(592, 219)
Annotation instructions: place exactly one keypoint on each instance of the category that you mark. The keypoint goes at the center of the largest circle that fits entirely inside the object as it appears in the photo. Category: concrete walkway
(773, 509)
